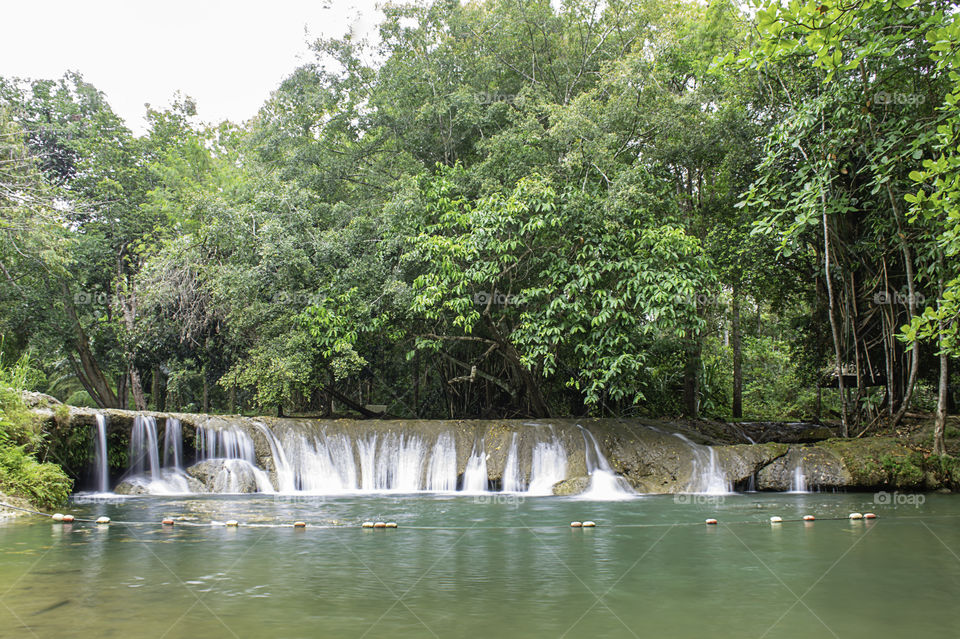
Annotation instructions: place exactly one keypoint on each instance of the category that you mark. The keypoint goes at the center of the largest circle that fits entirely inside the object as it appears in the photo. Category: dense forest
(511, 208)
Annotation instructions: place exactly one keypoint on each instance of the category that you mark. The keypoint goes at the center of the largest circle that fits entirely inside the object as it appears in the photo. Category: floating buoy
(367, 524)
(856, 516)
(379, 524)
(869, 516)
(57, 517)
(808, 517)
(589, 524)
(103, 520)
(67, 519)
(391, 524)
(167, 522)
(232, 523)
(712, 522)
(776, 520)
(299, 524)
(576, 524)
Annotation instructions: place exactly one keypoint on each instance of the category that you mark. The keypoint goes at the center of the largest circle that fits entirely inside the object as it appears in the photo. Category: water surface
(500, 566)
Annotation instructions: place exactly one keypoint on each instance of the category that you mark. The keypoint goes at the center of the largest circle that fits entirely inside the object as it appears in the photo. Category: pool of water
(462, 566)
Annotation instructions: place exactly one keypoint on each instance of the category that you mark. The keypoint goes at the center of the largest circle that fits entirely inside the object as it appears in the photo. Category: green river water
(487, 566)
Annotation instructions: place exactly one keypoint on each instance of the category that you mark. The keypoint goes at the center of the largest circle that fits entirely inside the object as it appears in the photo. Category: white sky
(228, 55)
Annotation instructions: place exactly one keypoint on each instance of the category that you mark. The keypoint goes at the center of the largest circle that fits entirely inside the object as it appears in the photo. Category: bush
(45, 485)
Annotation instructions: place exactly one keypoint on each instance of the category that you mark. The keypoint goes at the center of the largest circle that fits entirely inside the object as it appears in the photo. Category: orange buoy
(67, 519)
(869, 516)
(299, 524)
(167, 522)
(808, 517)
(576, 524)
(712, 522)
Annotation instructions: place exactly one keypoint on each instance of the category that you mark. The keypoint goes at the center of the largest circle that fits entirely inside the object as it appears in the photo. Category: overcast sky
(228, 55)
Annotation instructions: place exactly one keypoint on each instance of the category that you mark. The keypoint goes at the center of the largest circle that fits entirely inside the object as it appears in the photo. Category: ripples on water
(497, 566)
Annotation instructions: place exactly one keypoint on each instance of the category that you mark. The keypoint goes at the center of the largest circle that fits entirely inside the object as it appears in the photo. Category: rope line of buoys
(233, 523)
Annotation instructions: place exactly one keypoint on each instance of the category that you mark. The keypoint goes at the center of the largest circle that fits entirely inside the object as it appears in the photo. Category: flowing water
(100, 459)
(487, 565)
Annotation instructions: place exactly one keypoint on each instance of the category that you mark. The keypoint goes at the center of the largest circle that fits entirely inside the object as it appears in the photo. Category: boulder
(572, 486)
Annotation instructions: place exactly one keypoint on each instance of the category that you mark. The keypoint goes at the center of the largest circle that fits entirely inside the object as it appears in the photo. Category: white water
(173, 444)
(143, 447)
(475, 476)
(100, 455)
(706, 476)
(512, 478)
(549, 465)
(798, 483)
(321, 462)
(604, 483)
(442, 471)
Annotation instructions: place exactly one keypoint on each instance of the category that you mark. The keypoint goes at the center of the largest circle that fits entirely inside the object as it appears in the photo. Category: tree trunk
(136, 387)
(89, 372)
(835, 330)
(940, 423)
(691, 380)
(737, 356)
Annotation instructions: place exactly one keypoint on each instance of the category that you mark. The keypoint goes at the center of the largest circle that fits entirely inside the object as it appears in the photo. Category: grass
(21, 474)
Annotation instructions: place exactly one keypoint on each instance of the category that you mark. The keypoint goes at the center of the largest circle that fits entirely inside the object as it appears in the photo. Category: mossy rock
(878, 462)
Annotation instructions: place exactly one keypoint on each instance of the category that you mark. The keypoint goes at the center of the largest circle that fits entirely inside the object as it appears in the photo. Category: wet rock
(225, 476)
(131, 487)
(573, 486)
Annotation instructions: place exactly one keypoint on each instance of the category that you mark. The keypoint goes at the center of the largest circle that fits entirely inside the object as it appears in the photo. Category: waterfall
(173, 444)
(548, 466)
(475, 476)
(512, 477)
(706, 476)
(798, 482)
(100, 455)
(442, 471)
(238, 453)
(604, 483)
(143, 447)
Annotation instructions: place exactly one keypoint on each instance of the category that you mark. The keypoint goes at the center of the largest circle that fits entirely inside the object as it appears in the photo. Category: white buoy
(232, 523)
(367, 524)
(808, 517)
(712, 522)
(576, 524)
(776, 520)
(856, 516)
(103, 520)
(68, 519)
(589, 524)
(391, 524)
(57, 517)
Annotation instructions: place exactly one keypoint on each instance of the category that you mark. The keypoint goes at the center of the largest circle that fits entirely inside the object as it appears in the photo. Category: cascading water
(442, 471)
(547, 467)
(512, 477)
(706, 476)
(100, 455)
(173, 444)
(798, 482)
(475, 478)
(143, 447)
(604, 483)
(237, 470)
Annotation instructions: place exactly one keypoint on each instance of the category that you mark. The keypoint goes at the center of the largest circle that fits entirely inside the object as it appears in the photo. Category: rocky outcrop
(226, 476)
(572, 486)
